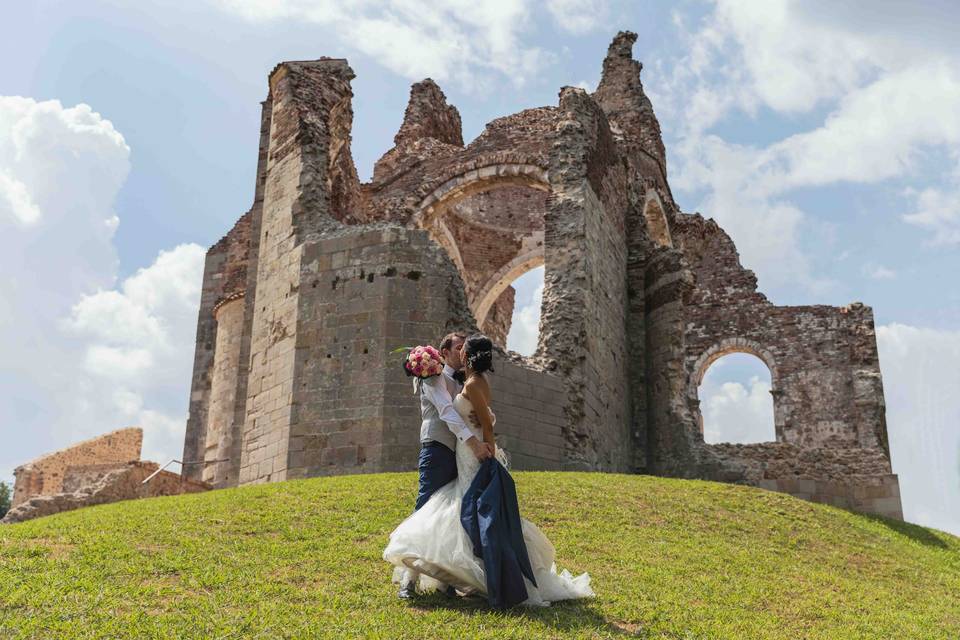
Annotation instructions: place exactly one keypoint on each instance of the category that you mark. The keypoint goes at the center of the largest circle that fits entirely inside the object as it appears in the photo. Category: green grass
(301, 559)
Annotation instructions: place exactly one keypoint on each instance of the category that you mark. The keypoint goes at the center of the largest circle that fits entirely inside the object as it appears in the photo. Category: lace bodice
(467, 463)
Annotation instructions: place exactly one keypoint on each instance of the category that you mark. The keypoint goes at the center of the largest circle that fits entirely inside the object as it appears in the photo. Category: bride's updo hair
(478, 350)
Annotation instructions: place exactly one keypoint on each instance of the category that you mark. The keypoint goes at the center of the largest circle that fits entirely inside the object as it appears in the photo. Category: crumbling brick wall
(119, 482)
(639, 298)
(46, 474)
(829, 415)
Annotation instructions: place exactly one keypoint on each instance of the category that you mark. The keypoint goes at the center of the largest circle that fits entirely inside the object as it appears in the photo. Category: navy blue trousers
(438, 466)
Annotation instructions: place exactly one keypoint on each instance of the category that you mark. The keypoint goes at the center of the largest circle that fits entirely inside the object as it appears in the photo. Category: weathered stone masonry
(306, 296)
(59, 471)
(96, 471)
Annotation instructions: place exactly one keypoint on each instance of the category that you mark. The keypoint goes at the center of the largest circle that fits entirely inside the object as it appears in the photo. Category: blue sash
(491, 517)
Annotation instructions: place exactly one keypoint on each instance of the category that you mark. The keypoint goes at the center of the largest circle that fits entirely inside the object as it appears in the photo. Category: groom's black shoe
(407, 592)
(450, 592)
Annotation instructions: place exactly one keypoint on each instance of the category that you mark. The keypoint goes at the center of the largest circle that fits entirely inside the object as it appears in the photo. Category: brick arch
(656, 219)
(726, 347)
(482, 177)
(504, 277)
(462, 183)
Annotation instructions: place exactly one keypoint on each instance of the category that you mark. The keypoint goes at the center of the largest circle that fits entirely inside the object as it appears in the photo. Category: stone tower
(313, 287)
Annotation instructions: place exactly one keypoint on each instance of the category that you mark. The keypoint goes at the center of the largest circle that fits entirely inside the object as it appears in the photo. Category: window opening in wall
(735, 401)
(525, 322)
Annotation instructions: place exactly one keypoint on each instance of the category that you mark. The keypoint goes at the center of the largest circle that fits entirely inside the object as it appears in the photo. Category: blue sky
(825, 139)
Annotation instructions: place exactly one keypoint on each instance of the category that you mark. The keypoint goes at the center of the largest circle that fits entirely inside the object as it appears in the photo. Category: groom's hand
(480, 449)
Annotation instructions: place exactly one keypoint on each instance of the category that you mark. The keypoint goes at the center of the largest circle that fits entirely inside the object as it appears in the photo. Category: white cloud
(920, 382)
(149, 318)
(61, 168)
(163, 435)
(891, 95)
(139, 342)
(938, 209)
(461, 40)
(878, 271)
(118, 363)
(792, 56)
(525, 324)
(579, 16)
(790, 61)
(15, 201)
(81, 355)
(736, 412)
(878, 130)
(767, 230)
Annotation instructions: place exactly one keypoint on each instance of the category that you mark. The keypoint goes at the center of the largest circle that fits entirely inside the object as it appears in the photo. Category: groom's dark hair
(448, 339)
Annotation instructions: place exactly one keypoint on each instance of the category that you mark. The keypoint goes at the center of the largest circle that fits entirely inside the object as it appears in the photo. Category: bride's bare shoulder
(477, 383)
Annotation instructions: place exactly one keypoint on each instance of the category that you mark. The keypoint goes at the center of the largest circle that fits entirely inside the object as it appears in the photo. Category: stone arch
(502, 279)
(483, 177)
(524, 250)
(656, 219)
(726, 347)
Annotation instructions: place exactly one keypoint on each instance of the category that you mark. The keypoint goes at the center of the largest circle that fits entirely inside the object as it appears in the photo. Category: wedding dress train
(433, 542)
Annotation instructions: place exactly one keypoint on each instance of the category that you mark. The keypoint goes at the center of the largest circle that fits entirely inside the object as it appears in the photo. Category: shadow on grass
(569, 616)
(912, 531)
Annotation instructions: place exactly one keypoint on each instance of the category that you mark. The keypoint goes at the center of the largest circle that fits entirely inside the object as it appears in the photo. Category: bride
(432, 540)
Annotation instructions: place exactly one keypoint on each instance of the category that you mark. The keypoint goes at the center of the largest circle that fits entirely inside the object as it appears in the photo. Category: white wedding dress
(432, 541)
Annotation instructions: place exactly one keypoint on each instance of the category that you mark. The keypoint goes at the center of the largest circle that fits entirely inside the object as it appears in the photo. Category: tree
(4, 498)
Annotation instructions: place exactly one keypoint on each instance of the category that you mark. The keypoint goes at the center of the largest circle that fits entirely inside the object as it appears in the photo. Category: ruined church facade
(305, 298)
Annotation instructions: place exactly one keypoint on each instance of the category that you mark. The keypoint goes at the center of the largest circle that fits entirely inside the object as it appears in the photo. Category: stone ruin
(96, 471)
(306, 296)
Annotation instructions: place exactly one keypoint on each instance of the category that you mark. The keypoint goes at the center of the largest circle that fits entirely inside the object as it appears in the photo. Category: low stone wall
(879, 495)
(529, 409)
(77, 478)
(125, 483)
(45, 475)
(765, 460)
(852, 478)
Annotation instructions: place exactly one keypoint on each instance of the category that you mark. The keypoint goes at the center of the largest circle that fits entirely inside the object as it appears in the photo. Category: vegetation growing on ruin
(669, 559)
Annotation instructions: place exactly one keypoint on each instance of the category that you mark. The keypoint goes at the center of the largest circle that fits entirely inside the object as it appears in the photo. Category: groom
(440, 429)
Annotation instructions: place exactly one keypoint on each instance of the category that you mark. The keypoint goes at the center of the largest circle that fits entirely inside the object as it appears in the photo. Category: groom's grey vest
(433, 428)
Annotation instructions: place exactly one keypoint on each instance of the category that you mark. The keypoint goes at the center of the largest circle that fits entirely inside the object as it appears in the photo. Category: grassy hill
(669, 559)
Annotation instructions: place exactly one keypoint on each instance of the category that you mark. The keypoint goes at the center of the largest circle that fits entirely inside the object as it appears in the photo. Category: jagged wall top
(620, 94)
(429, 116)
(312, 113)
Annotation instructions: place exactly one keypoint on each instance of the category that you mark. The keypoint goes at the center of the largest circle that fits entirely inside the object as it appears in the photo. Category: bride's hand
(480, 449)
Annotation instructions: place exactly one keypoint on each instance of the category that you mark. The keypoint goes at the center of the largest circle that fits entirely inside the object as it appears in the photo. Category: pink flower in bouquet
(424, 362)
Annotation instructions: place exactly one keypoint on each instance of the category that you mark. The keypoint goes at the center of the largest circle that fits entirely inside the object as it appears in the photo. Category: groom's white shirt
(436, 392)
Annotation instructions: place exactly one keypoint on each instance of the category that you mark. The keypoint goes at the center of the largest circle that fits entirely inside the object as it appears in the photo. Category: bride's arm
(477, 391)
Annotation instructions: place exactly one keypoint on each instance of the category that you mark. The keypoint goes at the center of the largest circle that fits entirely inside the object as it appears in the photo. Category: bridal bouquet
(422, 361)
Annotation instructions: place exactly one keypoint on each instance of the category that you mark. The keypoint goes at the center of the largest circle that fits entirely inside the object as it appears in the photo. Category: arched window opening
(524, 326)
(736, 405)
(492, 226)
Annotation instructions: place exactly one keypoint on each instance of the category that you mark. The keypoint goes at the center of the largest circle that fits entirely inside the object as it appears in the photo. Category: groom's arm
(437, 394)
